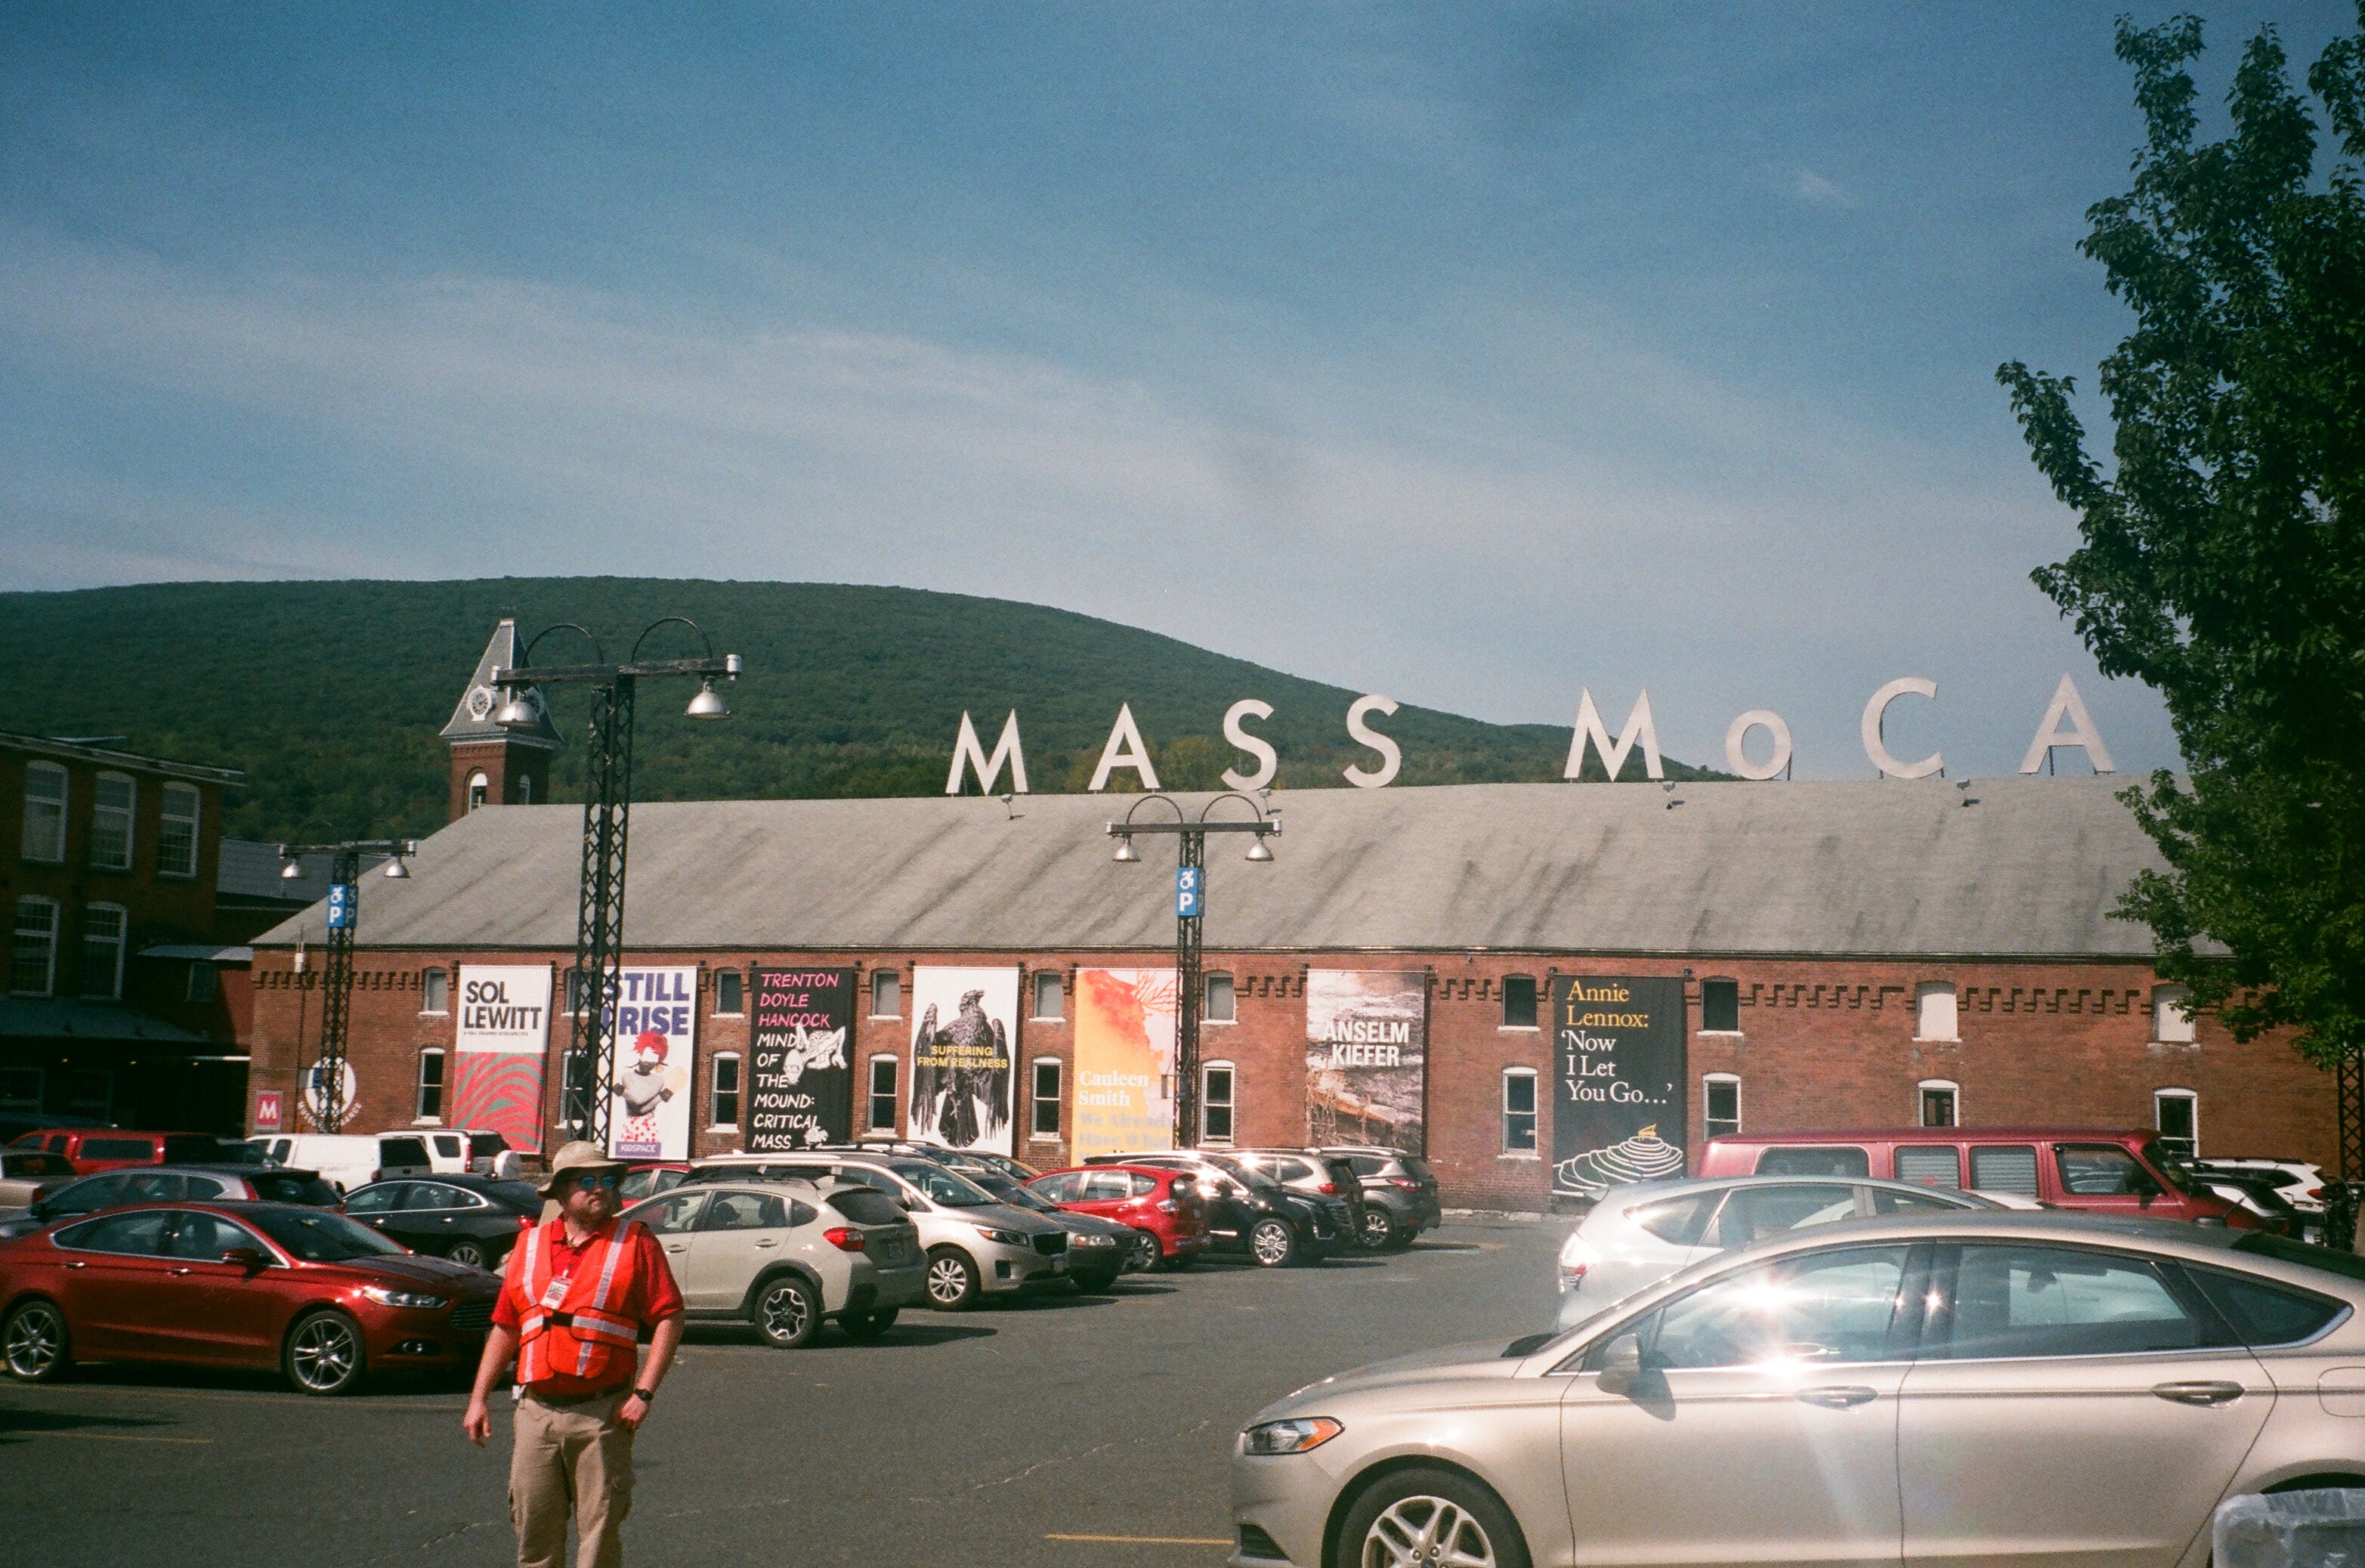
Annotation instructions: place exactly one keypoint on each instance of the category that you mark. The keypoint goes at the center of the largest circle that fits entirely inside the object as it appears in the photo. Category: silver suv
(785, 1256)
(975, 1246)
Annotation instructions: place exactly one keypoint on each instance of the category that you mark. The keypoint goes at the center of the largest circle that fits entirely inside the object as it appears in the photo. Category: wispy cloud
(1813, 188)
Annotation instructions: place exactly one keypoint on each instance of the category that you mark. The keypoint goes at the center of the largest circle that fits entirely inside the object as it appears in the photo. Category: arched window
(479, 786)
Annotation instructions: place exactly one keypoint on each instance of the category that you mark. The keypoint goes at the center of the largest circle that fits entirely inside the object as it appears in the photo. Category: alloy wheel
(952, 1280)
(1270, 1243)
(36, 1341)
(1146, 1251)
(1426, 1533)
(1377, 1230)
(325, 1357)
(467, 1254)
(785, 1313)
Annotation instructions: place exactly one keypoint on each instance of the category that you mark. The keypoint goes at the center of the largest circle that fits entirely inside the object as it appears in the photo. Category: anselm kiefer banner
(799, 1087)
(1617, 1099)
(1366, 1057)
(961, 1057)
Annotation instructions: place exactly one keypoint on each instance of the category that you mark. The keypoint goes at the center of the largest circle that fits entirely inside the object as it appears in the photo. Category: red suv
(1170, 1223)
(2105, 1171)
(90, 1149)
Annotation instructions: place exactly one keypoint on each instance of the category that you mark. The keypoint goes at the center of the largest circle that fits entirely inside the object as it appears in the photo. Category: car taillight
(844, 1239)
(1170, 1206)
(1407, 1183)
(1329, 1189)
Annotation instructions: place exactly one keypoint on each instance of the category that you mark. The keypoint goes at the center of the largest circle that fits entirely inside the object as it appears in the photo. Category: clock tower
(493, 765)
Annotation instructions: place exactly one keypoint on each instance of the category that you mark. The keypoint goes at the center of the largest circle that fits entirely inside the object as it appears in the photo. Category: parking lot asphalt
(1060, 1431)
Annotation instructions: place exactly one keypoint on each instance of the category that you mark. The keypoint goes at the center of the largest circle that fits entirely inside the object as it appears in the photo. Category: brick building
(1858, 952)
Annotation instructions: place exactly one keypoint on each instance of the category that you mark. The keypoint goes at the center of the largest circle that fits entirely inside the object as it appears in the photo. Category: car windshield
(228, 1153)
(1005, 1191)
(293, 1187)
(1246, 1175)
(316, 1235)
(2283, 1250)
(942, 1186)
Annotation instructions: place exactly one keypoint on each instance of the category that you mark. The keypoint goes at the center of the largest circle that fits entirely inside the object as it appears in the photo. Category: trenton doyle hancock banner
(1125, 1062)
(649, 1095)
(1366, 1057)
(962, 1056)
(799, 1087)
(1618, 1075)
(502, 1041)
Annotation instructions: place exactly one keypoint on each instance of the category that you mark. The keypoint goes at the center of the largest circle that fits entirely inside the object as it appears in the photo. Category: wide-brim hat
(577, 1157)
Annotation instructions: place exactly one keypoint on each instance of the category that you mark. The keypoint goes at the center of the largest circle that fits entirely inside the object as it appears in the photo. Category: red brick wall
(507, 768)
(1823, 1043)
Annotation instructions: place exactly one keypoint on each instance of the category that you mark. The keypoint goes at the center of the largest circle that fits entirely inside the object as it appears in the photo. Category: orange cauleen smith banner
(1125, 1062)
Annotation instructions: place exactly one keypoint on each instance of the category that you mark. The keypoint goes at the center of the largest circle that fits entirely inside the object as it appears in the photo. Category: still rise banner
(1619, 1112)
(500, 1047)
(656, 1032)
(800, 1085)
(962, 1064)
(1366, 1058)
(1125, 1062)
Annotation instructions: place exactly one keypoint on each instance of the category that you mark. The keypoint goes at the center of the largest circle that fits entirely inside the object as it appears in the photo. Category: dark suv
(1399, 1193)
(1249, 1213)
(1327, 1180)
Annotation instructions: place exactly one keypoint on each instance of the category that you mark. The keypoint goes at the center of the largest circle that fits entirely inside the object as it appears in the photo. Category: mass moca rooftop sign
(2066, 723)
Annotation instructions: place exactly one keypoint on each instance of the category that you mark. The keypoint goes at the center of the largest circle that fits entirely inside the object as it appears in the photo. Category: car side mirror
(252, 1259)
(1621, 1364)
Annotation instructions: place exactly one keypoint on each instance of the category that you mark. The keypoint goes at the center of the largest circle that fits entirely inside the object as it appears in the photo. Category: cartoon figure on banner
(814, 1048)
(968, 1106)
(644, 1085)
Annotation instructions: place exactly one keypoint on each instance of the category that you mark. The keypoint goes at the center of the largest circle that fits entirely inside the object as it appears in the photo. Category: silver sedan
(1971, 1388)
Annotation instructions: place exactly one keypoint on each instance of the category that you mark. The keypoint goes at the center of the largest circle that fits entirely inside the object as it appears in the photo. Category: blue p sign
(1190, 892)
(340, 906)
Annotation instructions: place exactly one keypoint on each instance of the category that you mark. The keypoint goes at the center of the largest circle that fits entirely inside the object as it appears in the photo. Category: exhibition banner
(1124, 1062)
(1619, 1111)
(499, 1051)
(1366, 1057)
(799, 1087)
(962, 1061)
(657, 1032)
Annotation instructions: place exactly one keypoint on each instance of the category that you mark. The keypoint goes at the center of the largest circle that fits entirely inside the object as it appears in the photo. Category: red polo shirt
(653, 1297)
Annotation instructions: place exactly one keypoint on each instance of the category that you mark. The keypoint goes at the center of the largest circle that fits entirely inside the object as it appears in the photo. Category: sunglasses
(608, 1180)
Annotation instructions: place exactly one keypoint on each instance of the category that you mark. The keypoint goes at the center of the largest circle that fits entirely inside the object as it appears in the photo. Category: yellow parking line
(1150, 1539)
(7, 1432)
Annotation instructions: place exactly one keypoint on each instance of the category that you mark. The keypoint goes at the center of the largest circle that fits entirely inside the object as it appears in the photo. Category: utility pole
(328, 1073)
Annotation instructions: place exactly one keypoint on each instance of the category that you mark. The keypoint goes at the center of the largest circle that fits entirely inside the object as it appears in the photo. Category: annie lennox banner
(1619, 1112)
(800, 1082)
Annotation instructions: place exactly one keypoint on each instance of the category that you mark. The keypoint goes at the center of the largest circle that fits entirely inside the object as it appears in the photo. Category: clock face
(480, 701)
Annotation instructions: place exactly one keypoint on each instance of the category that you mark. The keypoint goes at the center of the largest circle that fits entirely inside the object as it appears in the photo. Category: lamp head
(395, 872)
(290, 871)
(1125, 850)
(516, 713)
(707, 703)
(1259, 852)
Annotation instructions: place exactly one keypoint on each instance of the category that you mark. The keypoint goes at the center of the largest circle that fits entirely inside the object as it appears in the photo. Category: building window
(1720, 1104)
(1941, 1105)
(480, 788)
(35, 972)
(729, 999)
(45, 812)
(104, 927)
(430, 1085)
(2177, 1114)
(525, 790)
(1221, 1006)
(1518, 1001)
(203, 986)
(882, 1094)
(1215, 1100)
(1047, 1097)
(1519, 1101)
(2172, 1020)
(1934, 1013)
(1719, 1007)
(435, 991)
(176, 840)
(1050, 996)
(726, 1093)
(110, 822)
(886, 994)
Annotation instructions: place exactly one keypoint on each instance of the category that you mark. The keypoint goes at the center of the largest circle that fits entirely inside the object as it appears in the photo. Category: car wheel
(1433, 1518)
(866, 1326)
(35, 1343)
(470, 1254)
(325, 1355)
(1378, 1230)
(786, 1312)
(1272, 1244)
(1146, 1253)
(952, 1279)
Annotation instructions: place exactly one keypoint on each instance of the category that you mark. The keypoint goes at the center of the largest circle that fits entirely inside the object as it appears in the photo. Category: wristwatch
(645, 1394)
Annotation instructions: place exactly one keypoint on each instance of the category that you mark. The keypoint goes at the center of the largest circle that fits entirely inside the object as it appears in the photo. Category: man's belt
(568, 1401)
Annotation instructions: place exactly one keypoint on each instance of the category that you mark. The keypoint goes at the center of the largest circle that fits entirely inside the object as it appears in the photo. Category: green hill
(329, 694)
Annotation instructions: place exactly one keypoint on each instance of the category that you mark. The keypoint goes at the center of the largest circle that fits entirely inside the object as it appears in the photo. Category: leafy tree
(2221, 558)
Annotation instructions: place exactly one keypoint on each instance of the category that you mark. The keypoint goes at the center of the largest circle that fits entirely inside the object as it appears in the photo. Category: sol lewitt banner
(657, 1032)
(1366, 1056)
(961, 1059)
(800, 1089)
(1124, 1062)
(1618, 1101)
(502, 1041)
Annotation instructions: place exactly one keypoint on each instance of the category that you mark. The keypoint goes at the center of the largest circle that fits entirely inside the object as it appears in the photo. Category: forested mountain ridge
(329, 694)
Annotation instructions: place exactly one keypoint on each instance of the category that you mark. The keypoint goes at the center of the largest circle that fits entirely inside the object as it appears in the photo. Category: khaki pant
(571, 1461)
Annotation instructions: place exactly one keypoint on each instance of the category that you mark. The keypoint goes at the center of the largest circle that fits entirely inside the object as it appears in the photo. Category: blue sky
(1473, 355)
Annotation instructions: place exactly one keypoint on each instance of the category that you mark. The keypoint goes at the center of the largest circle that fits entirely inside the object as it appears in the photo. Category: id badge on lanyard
(556, 1293)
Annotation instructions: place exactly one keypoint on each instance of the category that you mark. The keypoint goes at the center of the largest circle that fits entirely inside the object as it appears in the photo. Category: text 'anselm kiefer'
(1368, 1042)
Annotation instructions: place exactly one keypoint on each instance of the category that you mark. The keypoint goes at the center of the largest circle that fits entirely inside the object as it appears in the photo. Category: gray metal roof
(2029, 868)
(249, 872)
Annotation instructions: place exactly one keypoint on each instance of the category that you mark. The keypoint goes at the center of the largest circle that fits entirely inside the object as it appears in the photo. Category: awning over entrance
(35, 1018)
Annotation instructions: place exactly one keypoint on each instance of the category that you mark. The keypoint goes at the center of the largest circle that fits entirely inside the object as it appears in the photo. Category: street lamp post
(607, 816)
(337, 980)
(1190, 913)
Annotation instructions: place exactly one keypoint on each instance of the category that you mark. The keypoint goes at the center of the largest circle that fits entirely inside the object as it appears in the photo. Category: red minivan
(1169, 1221)
(92, 1149)
(2099, 1172)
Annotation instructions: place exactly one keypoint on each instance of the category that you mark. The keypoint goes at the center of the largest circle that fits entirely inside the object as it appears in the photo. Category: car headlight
(1007, 1237)
(386, 1297)
(1269, 1439)
(1091, 1242)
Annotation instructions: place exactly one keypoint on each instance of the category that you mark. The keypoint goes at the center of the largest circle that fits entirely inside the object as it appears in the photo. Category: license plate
(1059, 1265)
(891, 1252)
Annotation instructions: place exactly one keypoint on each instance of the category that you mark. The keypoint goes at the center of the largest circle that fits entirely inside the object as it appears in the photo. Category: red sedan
(1163, 1206)
(236, 1284)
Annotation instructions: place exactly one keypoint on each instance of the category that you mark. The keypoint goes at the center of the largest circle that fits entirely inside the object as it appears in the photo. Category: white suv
(785, 1256)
